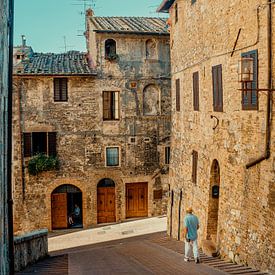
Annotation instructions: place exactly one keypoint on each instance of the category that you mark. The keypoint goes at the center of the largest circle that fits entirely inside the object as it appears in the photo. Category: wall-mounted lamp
(245, 70)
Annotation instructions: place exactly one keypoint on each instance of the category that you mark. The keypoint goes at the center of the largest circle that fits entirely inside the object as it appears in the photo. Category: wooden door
(136, 200)
(106, 210)
(59, 211)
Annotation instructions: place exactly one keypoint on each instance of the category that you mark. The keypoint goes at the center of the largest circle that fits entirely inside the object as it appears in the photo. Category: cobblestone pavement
(149, 254)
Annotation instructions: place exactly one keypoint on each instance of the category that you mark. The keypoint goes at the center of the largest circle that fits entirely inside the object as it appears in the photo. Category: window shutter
(177, 95)
(56, 89)
(217, 88)
(250, 98)
(194, 166)
(60, 89)
(196, 91)
(27, 143)
(52, 144)
(107, 99)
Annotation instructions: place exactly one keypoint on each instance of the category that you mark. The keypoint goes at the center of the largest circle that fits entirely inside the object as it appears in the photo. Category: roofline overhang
(165, 6)
(133, 32)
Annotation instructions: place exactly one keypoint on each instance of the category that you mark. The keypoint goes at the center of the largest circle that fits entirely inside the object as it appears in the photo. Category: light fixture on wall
(245, 71)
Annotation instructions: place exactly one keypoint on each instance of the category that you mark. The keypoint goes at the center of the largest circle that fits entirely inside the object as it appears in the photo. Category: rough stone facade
(142, 131)
(241, 221)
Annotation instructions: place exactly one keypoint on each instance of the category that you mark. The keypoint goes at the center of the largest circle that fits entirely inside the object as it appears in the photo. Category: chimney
(23, 41)
(89, 13)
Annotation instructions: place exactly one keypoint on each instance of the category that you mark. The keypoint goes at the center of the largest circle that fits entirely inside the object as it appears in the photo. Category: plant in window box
(112, 57)
(41, 162)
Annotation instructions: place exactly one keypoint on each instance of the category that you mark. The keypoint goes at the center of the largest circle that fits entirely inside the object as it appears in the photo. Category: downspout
(171, 211)
(266, 155)
(9, 140)
(179, 216)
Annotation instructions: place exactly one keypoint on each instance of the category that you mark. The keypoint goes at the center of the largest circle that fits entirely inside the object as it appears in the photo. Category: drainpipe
(9, 141)
(171, 211)
(266, 155)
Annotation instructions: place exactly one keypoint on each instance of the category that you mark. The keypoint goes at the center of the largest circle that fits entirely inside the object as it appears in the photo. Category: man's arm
(185, 229)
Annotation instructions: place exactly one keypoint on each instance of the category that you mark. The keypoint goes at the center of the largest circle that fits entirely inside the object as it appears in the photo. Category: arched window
(151, 49)
(110, 49)
(106, 183)
(151, 100)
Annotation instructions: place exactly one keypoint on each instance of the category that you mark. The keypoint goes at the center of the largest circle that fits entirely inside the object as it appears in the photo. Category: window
(250, 98)
(176, 13)
(110, 105)
(196, 91)
(193, 2)
(112, 156)
(151, 104)
(18, 56)
(217, 88)
(177, 95)
(167, 155)
(39, 142)
(110, 49)
(151, 49)
(60, 89)
(194, 166)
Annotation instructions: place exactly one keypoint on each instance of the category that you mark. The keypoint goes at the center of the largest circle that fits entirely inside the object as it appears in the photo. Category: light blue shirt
(191, 222)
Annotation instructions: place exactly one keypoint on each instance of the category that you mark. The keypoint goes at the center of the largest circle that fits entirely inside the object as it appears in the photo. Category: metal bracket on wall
(217, 121)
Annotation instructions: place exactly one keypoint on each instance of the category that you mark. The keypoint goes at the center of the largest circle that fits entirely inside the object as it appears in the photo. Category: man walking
(191, 226)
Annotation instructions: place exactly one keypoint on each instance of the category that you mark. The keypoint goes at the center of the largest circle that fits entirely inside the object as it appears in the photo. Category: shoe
(197, 260)
(186, 259)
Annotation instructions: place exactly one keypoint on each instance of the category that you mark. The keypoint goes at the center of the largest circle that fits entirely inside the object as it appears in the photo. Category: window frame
(167, 155)
(118, 156)
(195, 166)
(178, 94)
(113, 100)
(254, 85)
(59, 96)
(217, 85)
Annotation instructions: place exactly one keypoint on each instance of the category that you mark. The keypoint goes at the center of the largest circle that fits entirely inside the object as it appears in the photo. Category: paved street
(131, 253)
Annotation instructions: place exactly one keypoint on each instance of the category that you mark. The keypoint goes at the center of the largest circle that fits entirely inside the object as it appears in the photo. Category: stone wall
(83, 135)
(204, 36)
(30, 248)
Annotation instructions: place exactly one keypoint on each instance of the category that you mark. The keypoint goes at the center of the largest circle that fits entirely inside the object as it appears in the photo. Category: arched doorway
(66, 201)
(213, 204)
(106, 207)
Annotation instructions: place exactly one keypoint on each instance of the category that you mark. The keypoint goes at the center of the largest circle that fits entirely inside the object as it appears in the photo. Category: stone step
(209, 248)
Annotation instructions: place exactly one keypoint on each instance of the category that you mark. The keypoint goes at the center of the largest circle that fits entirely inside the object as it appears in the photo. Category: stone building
(222, 141)
(106, 115)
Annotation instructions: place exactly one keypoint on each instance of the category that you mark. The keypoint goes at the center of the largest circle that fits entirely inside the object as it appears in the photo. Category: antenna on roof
(65, 47)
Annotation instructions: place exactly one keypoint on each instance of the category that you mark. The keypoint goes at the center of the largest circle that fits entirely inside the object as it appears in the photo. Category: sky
(50, 24)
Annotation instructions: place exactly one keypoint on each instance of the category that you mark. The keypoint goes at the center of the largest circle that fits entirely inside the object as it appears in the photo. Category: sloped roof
(135, 25)
(70, 63)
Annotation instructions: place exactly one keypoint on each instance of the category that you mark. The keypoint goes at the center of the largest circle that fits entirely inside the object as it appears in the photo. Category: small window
(193, 2)
(196, 91)
(110, 105)
(194, 166)
(132, 140)
(110, 49)
(18, 56)
(250, 97)
(177, 95)
(217, 88)
(60, 89)
(176, 13)
(39, 142)
(112, 156)
(167, 155)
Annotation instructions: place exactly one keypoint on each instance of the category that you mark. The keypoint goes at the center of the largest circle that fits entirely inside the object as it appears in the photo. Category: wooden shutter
(194, 166)
(27, 143)
(250, 98)
(60, 89)
(52, 144)
(177, 95)
(196, 91)
(107, 100)
(217, 88)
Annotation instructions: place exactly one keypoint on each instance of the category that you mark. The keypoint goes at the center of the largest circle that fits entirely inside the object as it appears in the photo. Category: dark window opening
(217, 88)
(250, 96)
(194, 166)
(39, 142)
(167, 155)
(196, 91)
(110, 105)
(177, 95)
(60, 89)
(110, 49)
(193, 2)
(176, 13)
(18, 57)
